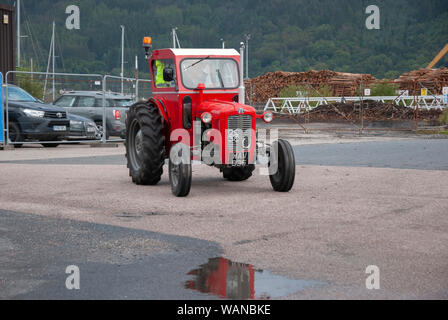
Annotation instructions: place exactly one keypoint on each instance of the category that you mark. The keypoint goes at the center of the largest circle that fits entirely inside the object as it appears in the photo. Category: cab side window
(158, 66)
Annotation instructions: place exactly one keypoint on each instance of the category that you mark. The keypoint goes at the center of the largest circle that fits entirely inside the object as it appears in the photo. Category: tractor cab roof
(205, 52)
(196, 52)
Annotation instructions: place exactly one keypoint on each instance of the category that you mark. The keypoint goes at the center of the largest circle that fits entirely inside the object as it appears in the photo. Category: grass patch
(432, 132)
(444, 117)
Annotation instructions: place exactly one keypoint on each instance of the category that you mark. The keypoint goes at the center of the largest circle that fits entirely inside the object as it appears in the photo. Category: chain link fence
(2, 117)
(62, 108)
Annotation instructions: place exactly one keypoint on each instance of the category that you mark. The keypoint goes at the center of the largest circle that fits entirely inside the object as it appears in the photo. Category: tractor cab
(183, 70)
(202, 85)
(192, 77)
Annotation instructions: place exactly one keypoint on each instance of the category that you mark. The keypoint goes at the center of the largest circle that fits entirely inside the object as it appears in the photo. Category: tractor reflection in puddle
(238, 281)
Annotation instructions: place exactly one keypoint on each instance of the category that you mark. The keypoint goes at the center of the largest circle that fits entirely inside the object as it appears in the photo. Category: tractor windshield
(214, 73)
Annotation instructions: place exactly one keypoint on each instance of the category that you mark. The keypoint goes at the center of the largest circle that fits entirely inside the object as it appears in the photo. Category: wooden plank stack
(271, 84)
(432, 79)
(348, 84)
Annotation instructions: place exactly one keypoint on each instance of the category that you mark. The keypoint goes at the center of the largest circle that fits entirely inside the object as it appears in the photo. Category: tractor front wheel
(145, 144)
(282, 166)
(180, 171)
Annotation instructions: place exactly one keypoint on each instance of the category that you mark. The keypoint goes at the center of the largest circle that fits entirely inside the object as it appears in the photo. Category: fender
(159, 104)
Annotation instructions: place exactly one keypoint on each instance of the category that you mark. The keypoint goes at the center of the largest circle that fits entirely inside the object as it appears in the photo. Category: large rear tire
(282, 179)
(238, 173)
(145, 144)
(181, 173)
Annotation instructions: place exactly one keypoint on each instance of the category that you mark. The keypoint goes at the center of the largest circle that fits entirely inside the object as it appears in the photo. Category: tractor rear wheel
(238, 173)
(282, 179)
(180, 171)
(145, 144)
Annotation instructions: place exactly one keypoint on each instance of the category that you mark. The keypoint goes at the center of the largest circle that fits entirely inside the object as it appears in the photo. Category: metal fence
(2, 120)
(312, 110)
(302, 105)
(64, 108)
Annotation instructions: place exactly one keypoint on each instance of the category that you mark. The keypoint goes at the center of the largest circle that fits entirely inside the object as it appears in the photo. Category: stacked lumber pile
(348, 84)
(272, 83)
(433, 79)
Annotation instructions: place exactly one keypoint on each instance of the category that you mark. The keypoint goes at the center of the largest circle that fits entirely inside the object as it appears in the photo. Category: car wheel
(15, 134)
(101, 131)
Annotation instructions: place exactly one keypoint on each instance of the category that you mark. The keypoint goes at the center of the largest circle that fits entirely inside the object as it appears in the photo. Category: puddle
(238, 281)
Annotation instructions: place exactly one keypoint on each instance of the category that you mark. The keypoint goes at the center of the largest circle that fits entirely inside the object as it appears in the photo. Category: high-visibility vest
(159, 77)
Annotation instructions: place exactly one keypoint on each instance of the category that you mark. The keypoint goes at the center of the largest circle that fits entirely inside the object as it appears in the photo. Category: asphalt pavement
(354, 205)
(114, 262)
(421, 154)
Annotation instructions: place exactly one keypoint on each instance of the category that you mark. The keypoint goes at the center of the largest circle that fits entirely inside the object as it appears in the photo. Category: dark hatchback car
(32, 120)
(82, 129)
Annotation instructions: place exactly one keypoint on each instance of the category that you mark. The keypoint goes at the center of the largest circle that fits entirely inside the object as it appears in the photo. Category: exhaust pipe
(242, 89)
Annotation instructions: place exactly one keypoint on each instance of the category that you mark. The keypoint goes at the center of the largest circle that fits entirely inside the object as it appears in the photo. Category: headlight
(34, 113)
(91, 128)
(206, 117)
(268, 117)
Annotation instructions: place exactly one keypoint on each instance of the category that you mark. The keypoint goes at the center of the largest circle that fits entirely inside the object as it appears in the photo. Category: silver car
(89, 104)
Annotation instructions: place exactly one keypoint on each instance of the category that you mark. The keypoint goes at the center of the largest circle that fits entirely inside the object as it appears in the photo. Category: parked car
(89, 104)
(32, 120)
(82, 128)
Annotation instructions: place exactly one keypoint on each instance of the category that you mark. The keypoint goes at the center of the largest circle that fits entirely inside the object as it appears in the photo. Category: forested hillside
(288, 35)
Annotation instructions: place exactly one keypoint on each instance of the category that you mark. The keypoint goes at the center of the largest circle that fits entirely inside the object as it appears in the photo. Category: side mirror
(168, 74)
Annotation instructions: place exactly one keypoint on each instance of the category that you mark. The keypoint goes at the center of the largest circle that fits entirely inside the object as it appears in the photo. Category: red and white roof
(205, 52)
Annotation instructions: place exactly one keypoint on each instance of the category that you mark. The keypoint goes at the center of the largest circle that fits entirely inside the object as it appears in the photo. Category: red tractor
(195, 114)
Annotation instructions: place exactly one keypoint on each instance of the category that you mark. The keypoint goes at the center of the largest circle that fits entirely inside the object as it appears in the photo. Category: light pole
(223, 43)
(248, 37)
(122, 58)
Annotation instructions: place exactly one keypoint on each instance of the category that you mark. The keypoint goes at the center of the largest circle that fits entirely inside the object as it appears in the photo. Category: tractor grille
(239, 135)
(243, 122)
(55, 115)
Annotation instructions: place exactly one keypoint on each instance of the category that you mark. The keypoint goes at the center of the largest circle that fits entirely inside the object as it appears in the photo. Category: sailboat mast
(54, 59)
(18, 34)
(122, 59)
